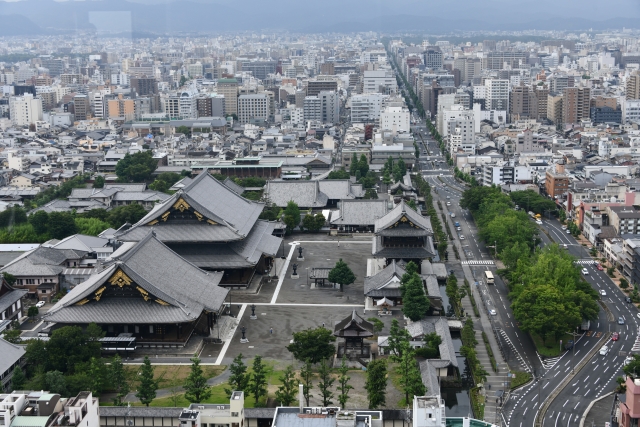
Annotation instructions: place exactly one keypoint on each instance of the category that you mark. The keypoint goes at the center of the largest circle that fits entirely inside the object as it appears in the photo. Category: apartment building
(366, 108)
(81, 107)
(497, 94)
(315, 86)
(395, 118)
(312, 109)
(556, 184)
(379, 81)
(530, 142)
(625, 219)
(632, 86)
(576, 104)
(25, 110)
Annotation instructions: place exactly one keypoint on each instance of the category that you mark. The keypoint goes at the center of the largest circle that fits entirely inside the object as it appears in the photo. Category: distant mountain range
(33, 17)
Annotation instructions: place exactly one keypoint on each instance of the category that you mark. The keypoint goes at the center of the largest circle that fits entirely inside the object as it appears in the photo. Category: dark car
(627, 299)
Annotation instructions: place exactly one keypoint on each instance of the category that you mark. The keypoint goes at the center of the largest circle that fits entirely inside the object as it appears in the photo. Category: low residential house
(40, 271)
(12, 357)
(24, 180)
(11, 307)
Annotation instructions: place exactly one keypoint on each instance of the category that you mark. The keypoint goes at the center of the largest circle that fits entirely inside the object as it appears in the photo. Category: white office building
(253, 108)
(396, 118)
(379, 81)
(631, 110)
(497, 94)
(25, 110)
(330, 106)
(366, 108)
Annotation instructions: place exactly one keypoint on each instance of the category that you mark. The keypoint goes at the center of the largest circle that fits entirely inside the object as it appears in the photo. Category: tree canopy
(136, 167)
(341, 274)
(313, 345)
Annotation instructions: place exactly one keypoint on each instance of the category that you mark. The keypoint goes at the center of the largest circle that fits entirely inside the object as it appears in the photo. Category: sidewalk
(495, 380)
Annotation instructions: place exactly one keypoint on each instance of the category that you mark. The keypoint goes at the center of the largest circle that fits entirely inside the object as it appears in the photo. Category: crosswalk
(549, 362)
(636, 344)
(487, 262)
(586, 261)
(512, 348)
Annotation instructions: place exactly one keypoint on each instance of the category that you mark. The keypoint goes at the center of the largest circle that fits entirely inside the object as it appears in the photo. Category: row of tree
(441, 238)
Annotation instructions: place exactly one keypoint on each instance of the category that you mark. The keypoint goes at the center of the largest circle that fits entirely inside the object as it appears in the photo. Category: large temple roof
(205, 210)
(147, 284)
(403, 215)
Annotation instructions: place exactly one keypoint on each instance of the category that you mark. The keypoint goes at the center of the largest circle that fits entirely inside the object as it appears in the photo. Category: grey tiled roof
(10, 297)
(238, 189)
(11, 353)
(431, 281)
(429, 376)
(360, 212)
(402, 209)
(235, 216)
(158, 270)
(402, 252)
(306, 194)
(376, 282)
(148, 195)
(41, 261)
(81, 242)
(439, 325)
(336, 189)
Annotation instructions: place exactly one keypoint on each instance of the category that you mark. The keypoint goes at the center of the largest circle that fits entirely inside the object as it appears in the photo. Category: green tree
(410, 378)
(313, 345)
(195, 386)
(412, 205)
(55, 382)
(100, 214)
(39, 221)
(18, 379)
(386, 179)
(122, 214)
(12, 335)
(633, 367)
(183, 80)
(97, 375)
(239, 379)
(98, 182)
(376, 383)
(119, 381)
(354, 166)
(397, 336)
(258, 382)
(306, 379)
(338, 174)
(159, 185)
(148, 385)
(313, 222)
(137, 167)
(9, 278)
(341, 274)
(33, 311)
(325, 383)
(415, 303)
(378, 324)
(61, 225)
(291, 216)
(286, 393)
(402, 167)
(343, 383)
(91, 226)
(363, 165)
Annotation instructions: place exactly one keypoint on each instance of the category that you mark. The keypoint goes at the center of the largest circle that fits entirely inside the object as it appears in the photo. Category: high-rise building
(395, 117)
(120, 107)
(367, 107)
(25, 110)
(632, 88)
(55, 66)
(143, 86)
(497, 94)
(314, 87)
(554, 108)
(379, 81)
(253, 108)
(576, 104)
(433, 58)
(498, 60)
(210, 106)
(260, 69)
(81, 107)
(541, 93)
(523, 103)
(328, 68)
(330, 106)
(312, 109)
(229, 89)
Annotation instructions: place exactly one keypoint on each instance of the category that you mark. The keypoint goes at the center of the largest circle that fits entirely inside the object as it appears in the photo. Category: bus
(488, 276)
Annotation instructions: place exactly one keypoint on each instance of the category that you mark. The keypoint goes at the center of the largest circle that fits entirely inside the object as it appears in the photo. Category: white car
(458, 228)
(564, 227)
(568, 231)
(604, 350)
(603, 292)
(40, 304)
(585, 271)
(492, 312)
(461, 237)
(538, 222)
(448, 203)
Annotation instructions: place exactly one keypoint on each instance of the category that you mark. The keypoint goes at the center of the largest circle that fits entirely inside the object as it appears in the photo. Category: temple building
(354, 329)
(211, 226)
(146, 291)
(403, 234)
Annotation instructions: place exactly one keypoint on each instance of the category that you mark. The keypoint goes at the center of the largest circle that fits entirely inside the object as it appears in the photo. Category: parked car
(615, 336)
(564, 227)
(627, 299)
(40, 304)
(568, 231)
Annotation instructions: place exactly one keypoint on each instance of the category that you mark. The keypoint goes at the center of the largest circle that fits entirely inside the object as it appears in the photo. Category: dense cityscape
(279, 229)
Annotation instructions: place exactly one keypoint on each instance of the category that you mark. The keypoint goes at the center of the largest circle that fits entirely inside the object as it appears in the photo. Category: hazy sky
(323, 15)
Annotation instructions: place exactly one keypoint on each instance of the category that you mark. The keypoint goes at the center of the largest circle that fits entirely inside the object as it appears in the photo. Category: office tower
(55, 66)
(253, 108)
(497, 94)
(330, 106)
(433, 58)
(229, 89)
(498, 60)
(25, 110)
(314, 87)
(523, 103)
(541, 93)
(259, 69)
(312, 108)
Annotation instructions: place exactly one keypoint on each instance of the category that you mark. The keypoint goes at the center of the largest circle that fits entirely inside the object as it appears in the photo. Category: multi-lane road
(598, 375)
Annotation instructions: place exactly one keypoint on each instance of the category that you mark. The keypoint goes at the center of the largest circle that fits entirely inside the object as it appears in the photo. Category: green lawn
(521, 378)
(551, 347)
